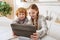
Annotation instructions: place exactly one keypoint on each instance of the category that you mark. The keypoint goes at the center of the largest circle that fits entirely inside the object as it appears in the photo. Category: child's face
(33, 13)
(21, 16)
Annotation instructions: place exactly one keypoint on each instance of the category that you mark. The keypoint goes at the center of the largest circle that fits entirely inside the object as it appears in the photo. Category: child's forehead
(21, 13)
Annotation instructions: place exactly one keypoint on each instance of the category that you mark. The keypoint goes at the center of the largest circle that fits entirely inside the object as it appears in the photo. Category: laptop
(23, 29)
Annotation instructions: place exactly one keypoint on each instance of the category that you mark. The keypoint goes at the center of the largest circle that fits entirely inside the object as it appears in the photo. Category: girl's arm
(43, 31)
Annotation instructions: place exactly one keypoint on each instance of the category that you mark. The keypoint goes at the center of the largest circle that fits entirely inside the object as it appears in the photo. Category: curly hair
(21, 10)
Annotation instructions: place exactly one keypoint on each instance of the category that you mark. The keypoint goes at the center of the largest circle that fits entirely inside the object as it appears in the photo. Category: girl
(38, 21)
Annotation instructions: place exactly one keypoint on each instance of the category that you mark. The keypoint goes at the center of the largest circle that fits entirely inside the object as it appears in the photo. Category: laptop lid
(23, 29)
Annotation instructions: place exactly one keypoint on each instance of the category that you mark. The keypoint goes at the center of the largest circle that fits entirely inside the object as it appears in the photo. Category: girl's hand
(34, 36)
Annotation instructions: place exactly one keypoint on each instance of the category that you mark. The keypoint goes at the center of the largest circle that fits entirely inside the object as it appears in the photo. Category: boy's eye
(19, 14)
(22, 14)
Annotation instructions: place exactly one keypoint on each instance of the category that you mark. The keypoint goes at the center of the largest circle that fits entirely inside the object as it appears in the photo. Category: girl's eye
(31, 12)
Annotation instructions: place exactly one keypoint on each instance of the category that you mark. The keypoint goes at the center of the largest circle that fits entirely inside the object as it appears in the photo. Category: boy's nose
(21, 15)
